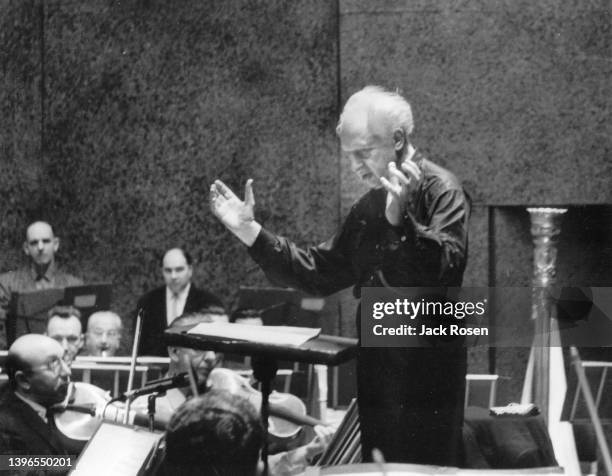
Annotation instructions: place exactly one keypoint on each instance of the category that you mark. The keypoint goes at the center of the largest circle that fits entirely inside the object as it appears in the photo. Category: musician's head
(374, 129)
(64, 325)
(177, 269)
(217, 433)
(40, 244)
(103, 336)
(202, 361)
(37, 370)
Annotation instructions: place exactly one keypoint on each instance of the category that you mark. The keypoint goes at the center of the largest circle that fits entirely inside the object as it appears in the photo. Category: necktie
(174, 307)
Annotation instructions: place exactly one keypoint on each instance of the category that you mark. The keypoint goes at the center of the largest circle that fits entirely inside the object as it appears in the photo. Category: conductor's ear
(399, 140)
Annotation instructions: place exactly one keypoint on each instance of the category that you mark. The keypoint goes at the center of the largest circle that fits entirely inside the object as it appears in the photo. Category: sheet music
(116, 449)
(278, 335)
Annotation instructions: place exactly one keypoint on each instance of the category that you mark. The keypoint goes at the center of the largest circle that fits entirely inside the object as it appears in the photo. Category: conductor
(409, 229)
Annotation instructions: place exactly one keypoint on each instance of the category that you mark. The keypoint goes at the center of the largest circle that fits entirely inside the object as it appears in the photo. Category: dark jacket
(153, 305)
(23, 432)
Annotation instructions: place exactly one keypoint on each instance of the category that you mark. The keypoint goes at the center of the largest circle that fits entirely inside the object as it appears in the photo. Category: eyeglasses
(54, 365)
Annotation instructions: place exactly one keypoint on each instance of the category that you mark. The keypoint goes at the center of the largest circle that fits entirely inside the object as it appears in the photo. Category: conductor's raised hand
(237, 215)
(399, 186)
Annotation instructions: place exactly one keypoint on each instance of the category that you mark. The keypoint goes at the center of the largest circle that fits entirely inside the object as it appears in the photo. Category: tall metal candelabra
(545, 228)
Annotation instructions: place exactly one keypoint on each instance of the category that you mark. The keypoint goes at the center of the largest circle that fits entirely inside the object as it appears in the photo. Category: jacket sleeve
(318, 270)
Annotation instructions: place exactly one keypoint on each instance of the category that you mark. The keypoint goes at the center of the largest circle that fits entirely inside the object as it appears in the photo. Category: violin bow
(193, 381)
(138, 330)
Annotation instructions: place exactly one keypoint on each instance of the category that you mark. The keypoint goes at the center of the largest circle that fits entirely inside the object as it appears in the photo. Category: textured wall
(145, 103)
(514, 96)
(20, 121)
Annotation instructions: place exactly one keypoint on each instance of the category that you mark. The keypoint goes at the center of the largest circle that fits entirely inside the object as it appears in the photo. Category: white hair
(385, 111)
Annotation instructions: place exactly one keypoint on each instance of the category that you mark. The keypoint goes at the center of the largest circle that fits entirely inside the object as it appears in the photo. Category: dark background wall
(116, 116)
(515, 98)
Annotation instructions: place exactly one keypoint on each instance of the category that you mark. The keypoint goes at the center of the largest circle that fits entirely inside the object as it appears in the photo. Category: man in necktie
(178, 296)
(41, 270)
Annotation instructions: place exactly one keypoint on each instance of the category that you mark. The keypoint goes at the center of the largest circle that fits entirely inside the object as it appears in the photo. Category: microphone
(159, 385)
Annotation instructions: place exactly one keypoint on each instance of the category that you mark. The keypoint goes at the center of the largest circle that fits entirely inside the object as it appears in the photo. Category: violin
(85, 408)
(287, 412)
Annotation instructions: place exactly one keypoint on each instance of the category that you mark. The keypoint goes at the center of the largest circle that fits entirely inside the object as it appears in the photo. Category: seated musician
(291, 462)
(178, 296)
(218, 434)
(64, 326)
(103, 335)
(41, 270)
(38, 379)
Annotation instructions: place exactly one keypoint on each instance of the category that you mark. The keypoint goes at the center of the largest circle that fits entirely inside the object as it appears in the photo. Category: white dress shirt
(175, 304)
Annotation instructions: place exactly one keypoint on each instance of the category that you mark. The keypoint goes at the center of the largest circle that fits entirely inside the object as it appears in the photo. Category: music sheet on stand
(116, 449)
(278, 335)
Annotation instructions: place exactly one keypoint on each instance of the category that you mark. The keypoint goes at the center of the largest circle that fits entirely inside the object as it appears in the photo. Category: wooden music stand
(323, 349)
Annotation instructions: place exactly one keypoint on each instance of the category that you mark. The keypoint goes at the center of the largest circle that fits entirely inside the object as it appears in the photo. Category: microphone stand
(264, 371)
(151, 400)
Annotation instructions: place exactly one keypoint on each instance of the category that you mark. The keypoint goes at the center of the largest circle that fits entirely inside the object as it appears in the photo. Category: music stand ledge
(324, 349)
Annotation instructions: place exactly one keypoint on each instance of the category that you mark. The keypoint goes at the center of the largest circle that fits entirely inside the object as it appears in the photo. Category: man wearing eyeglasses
(38, 379)
(64, 325)
(409, 230)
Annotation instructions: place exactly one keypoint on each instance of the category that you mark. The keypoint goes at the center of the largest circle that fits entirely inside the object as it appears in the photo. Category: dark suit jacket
(23, 432)
(153, 305)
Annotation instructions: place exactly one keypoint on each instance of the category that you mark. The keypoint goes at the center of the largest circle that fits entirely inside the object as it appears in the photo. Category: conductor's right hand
(237, 215)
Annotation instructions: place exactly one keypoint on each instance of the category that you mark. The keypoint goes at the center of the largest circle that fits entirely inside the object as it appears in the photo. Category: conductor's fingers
(223, 189)
(398, 175)
(249, 197)
(394, 189)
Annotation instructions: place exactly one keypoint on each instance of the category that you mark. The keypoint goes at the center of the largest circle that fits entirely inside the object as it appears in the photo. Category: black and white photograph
(305, 237)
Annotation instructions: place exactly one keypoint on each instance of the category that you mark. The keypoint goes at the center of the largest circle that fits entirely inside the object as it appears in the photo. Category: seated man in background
(164, 304)
(38, 379)
(203, 362)
(41, 270)
(64, 326)
(103, 335)
(218, 434)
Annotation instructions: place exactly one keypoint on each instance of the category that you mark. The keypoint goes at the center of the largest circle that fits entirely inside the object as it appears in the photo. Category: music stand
(323, 349)
(89, 298)
(275, 306)
(132, 451)
(31, 306)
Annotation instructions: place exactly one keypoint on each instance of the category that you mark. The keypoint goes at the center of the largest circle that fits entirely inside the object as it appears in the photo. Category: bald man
(178, 296)
(41, 270)
(103, 336)
(38, 379)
